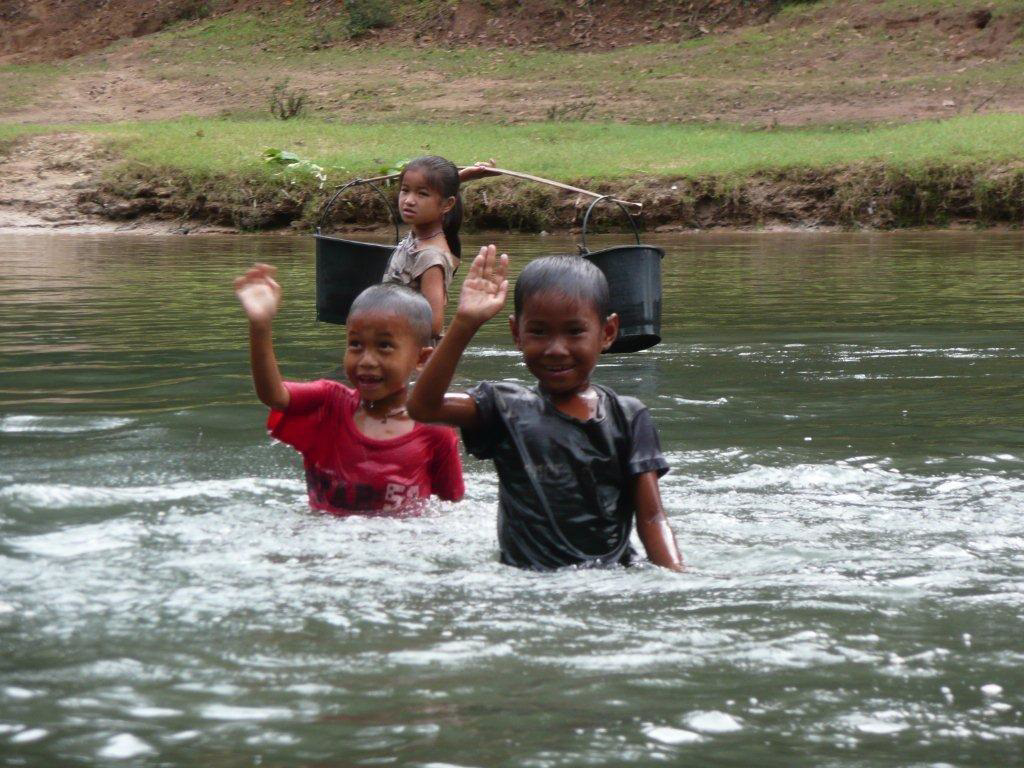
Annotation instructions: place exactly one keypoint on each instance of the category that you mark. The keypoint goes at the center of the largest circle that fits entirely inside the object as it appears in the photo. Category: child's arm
(477, 171)
(482, 297)
(260, 296)
(652, 525)
(432, 288)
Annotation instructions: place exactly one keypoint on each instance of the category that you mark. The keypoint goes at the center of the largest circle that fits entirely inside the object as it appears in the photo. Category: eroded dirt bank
(42, 179)
(66, 181)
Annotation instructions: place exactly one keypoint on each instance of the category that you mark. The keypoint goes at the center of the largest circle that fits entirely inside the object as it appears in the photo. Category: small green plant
(286, 103)
(322, 37)
(289, 162)
(389, 169)
(364, 15)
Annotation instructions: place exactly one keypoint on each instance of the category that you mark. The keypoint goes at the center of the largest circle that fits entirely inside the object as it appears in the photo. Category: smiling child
(361, 450)
(576, 462)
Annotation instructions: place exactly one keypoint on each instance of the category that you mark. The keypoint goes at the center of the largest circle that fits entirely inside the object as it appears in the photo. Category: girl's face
(420, 203)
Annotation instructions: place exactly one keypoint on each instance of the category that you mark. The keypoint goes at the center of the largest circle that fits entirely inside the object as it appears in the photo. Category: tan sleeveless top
(406, 266)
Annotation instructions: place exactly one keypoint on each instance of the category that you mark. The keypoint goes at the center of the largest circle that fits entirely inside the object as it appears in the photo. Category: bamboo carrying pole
(490, 171)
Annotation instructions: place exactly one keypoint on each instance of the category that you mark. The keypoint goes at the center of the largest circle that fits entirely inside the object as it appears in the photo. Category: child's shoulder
(335, 387)
(326, 390)
(629, 405)
(504, 390)
(439, 437)
(434, 252)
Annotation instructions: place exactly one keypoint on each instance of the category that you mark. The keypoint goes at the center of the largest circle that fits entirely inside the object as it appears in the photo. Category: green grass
(20, 83)
(206, 148)
(807, 53)
(11, 131)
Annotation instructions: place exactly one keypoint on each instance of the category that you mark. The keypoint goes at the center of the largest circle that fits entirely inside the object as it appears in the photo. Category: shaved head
(396, 299)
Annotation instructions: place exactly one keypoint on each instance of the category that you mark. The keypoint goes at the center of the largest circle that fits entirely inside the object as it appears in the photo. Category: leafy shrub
(286, 103)
(192, 10)
(573, 110)
(364, 15)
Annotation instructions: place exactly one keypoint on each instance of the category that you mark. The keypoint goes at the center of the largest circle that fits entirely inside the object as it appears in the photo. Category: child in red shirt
(362, 452)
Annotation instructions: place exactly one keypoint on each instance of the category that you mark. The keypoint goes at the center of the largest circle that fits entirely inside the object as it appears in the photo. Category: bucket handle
(586, 218)
(342, 189)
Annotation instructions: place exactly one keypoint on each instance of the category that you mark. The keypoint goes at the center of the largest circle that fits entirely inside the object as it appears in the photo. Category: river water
(844, 415)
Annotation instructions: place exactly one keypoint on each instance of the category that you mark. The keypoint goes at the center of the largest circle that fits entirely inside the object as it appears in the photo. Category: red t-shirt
(348, 472)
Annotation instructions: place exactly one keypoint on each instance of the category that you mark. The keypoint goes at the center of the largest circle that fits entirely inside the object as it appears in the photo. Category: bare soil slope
(43, 30)
(826, 62)
(40, 184)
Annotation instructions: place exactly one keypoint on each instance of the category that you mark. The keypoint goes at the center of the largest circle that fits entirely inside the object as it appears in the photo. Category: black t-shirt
(565, 495)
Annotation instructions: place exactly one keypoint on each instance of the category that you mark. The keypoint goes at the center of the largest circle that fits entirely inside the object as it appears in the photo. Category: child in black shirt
(576, 462)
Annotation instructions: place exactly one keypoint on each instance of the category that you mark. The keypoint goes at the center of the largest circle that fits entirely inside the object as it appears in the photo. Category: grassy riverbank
(203, 148)
(919, 174)
(830, 113)
(960, 170)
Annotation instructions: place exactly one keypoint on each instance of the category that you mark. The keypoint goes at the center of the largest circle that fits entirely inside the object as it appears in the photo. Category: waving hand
(485, 288)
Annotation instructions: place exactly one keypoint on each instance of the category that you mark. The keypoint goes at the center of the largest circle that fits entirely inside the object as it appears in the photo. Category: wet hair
(443, 178)
(399, 300)
(572, 276)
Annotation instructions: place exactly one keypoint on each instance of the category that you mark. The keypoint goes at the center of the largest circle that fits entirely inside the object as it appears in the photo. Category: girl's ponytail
(443, 177)
(451, 224)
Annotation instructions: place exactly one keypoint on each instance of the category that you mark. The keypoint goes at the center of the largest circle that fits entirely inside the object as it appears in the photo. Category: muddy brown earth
(863, 61)
(41, 180)
(53, 182)
(43, 30)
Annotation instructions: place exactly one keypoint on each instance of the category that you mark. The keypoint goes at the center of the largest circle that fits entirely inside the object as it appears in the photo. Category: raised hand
(259, 293)
(485, 288)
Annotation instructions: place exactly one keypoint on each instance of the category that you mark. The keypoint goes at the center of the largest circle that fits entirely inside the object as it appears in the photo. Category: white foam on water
(273, 739)
(311, 689)
(125, 746)
(174, 738)
(227, 712)
(712, 722)
(27, 737)
(154, 712)
(491, 352)
(800, 476)
(879, 728)
(456, 652)
(672, 736)
(81, 540)
(710, 403)
(992, 689)
(59, 496)
(1010, 730)
(14, 692)
(25, 423)
(887, 723)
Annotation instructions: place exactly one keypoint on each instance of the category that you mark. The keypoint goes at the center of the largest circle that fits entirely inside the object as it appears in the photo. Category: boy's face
(561, 339)
(381, 354)
(418, 202)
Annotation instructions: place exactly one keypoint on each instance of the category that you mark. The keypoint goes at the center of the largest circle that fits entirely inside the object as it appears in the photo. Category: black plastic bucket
(344, 268)
(634, 286)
